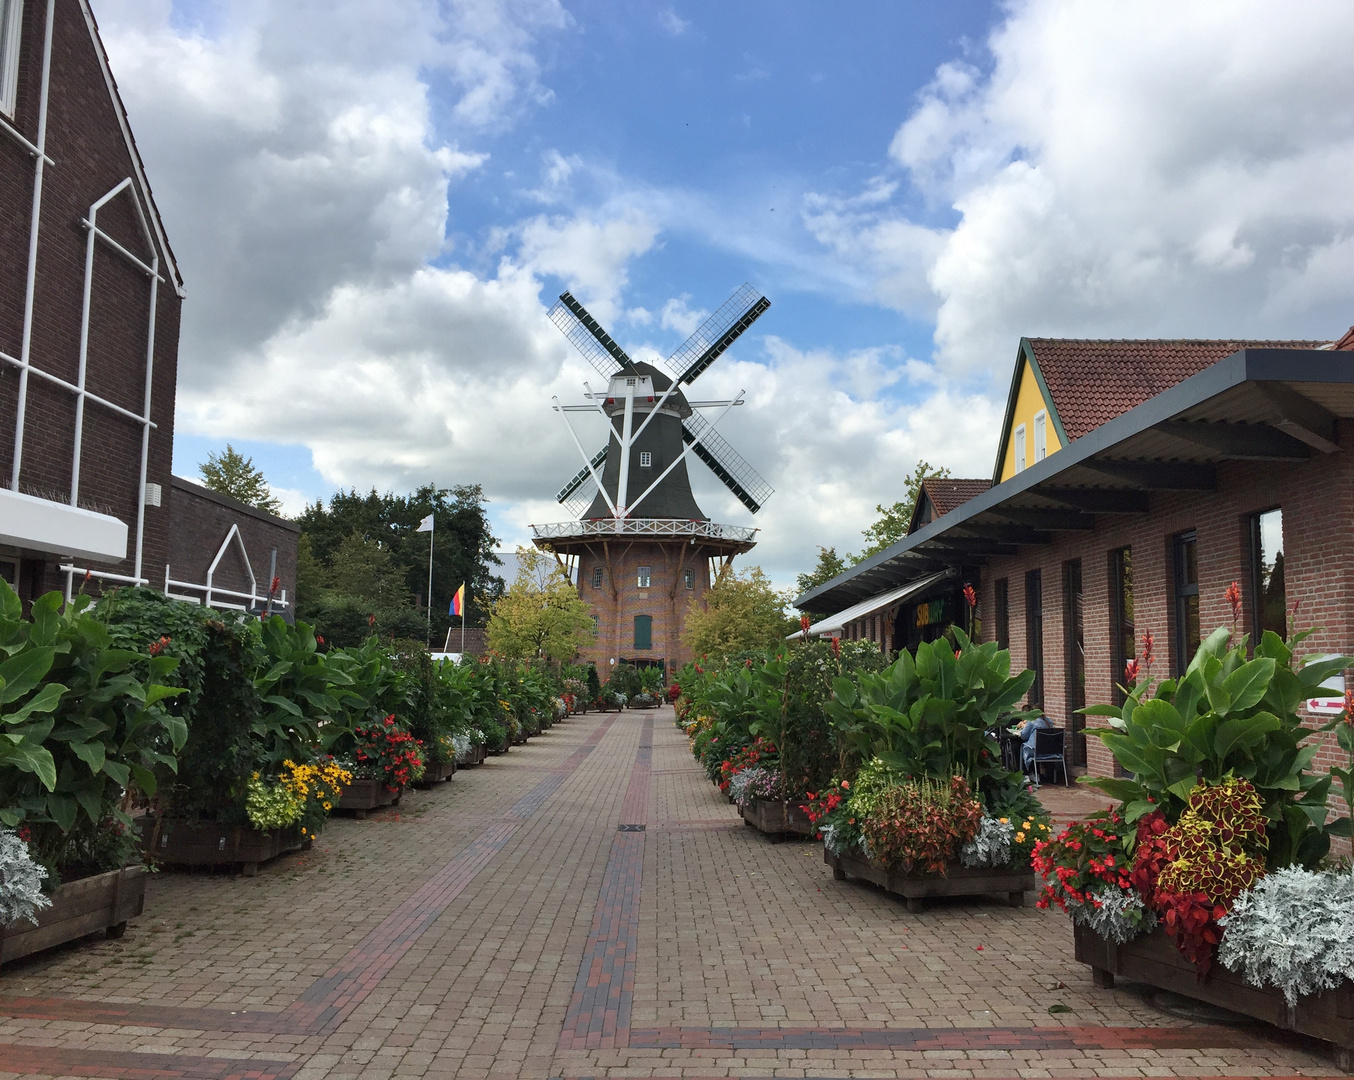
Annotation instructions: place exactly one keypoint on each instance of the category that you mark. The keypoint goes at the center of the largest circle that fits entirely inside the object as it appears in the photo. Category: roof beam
(1098, 500)
(1008, 534)
(1158, 475)
(1299, 416)
(1241, 442)
(964, 547)
(1051, 520)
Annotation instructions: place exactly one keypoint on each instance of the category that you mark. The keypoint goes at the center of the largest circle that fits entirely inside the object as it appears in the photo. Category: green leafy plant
(1226, 716)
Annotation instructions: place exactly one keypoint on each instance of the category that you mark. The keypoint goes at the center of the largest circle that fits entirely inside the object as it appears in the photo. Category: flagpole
(431, 534)
(463, 623)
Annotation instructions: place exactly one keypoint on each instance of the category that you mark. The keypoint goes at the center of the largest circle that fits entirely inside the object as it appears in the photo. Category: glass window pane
(1271, 601)
(643, 577)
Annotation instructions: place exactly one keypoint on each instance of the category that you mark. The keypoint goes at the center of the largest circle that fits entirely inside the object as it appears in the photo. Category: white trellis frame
(212, 594)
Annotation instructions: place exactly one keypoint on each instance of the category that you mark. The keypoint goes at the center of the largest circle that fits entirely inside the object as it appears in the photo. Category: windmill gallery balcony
(665, 528)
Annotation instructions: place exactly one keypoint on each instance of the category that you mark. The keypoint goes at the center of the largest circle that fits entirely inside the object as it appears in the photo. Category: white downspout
(145, 427)
(27, 346)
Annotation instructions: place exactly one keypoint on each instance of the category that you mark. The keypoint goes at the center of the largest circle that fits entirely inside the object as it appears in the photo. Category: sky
(374, 204)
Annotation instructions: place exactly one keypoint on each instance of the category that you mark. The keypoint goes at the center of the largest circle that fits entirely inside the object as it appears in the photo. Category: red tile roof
(945, 493)
(1092, 382)
(1346, 343)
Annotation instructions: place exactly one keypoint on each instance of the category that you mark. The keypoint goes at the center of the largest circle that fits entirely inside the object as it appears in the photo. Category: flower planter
(362, 796)
(778, 820)
(436, 771)
(103, 902)
(474, 756)
(179, 842)
(915, 888)
(1154, 960)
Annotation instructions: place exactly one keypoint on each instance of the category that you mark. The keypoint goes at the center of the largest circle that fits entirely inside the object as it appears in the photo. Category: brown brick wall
(1316, 498)
(201, 522)
(620, 599)
(91, 157)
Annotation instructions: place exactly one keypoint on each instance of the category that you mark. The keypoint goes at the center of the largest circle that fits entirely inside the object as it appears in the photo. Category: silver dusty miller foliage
(990, 846)
(20, 881)
(752, 785)
(1120, 918)
(1294, 929)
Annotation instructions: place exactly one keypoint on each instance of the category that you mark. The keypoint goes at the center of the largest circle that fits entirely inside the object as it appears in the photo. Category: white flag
(426, 525)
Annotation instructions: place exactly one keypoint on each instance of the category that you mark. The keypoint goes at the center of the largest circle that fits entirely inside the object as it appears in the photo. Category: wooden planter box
(362, 796)
(436, 771)
(638, 705)
(180, 842)
(778, 820)
(915, 888)
(103, 902)
(475, 756)
(1154, 960)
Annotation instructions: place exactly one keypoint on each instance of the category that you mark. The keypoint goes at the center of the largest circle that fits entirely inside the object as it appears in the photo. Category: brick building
(90, 300)
(1134, 481)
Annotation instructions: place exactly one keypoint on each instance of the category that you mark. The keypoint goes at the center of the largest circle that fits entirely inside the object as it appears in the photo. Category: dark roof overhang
(1276, 405)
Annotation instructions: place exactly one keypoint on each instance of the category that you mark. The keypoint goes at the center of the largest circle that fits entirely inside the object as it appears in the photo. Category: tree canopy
(541, 614)
(740, 611)
(361, 555)
(830, 564)
(231, 473)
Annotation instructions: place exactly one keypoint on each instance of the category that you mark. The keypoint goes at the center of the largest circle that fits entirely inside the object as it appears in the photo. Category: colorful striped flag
(458, 602)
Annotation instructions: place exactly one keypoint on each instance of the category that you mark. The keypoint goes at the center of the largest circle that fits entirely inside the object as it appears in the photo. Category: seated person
(1027, 731)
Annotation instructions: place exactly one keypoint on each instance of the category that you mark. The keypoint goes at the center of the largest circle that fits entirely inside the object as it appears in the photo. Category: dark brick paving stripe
(330, 998)
(128, 1065)
(1200, 1037)
(599, 1011)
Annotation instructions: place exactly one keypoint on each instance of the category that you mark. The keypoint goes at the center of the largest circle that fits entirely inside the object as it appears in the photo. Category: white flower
(20, 881)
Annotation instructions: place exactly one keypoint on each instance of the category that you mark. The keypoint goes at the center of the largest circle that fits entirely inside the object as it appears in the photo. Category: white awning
(833, 625)
(54, 528)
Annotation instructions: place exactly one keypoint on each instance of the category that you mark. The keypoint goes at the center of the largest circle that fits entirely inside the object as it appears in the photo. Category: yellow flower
(1005, 821)
(1026, 825)
(1020, 838)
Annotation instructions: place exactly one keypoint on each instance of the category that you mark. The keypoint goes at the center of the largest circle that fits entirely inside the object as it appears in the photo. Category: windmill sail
(588, 337)
(582, 474)
(725, 462)
(717, 333)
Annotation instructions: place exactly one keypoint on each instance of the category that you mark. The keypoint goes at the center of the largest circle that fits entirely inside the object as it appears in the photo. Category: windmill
(637, 527)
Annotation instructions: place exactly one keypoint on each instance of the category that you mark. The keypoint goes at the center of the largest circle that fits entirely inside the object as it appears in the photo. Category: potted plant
(382, 759)
(1197, 882)
(924, 806)
(86, 728)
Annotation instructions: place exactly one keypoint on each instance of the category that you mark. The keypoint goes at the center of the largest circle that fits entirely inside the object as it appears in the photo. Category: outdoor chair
(1048, 750)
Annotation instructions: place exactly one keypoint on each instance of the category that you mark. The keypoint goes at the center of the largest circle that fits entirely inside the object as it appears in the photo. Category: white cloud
(674, 24)
(1124, 169)
(590, 255)
(677, 315)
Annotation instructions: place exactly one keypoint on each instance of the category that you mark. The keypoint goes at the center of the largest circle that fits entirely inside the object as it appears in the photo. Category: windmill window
(643, 576)
(689, 578)
(1020, 448)
(11, 14)
(645, 459)
(596, 577)
(1040, 435)
(643, 631)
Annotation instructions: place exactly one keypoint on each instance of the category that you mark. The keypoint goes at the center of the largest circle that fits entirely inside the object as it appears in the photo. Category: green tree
(740, 611)
(830, 564)
(891, 525)
(233, 474)
(463, 543)
(541, 614)
(366, 569)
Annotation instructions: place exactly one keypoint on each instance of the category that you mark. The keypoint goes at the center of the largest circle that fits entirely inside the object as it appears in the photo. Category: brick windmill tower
(640, 549)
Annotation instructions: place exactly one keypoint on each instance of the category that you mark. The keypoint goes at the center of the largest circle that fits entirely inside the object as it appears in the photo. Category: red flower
(837, 647)
(1233, 595)
(157, 647)
(1148, 643)
(371, 620)
(1131, 672)
(969, 595)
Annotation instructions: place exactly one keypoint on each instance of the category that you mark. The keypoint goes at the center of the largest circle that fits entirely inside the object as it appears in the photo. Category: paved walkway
(585, 906)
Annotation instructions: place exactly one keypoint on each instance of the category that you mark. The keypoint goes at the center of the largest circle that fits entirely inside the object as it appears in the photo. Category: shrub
(21, 879)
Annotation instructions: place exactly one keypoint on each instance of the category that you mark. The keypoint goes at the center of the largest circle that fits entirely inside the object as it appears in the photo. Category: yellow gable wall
(1028, 402)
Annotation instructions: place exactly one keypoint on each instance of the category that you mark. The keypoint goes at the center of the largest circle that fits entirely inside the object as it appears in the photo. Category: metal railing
(655, 527)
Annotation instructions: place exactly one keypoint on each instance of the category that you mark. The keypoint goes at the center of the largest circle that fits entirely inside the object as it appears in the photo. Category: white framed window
(1020, 448)
(11, 20)
(1040, 435)
(643, 577)
(645, 459)
(596, 577)
(689, 578)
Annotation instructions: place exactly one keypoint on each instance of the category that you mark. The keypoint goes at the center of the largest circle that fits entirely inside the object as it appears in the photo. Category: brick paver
(587, 905)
